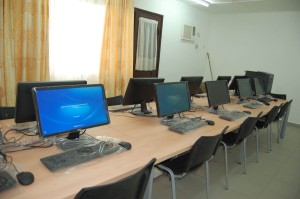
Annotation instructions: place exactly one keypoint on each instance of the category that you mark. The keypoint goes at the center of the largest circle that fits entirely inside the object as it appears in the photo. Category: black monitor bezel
(227, 78)
(157, 101)
(232, 85)
(69, 131)
(256, 81)
(241, 81)
(210, 92)
(194, 83)
(24, 102)
(143, 96)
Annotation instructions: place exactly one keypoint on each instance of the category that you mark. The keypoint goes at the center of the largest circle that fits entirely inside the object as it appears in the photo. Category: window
(75, 39)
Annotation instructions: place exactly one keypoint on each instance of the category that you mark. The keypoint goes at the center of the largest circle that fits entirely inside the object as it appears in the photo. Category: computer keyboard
(264, 99)
(79, 155)
(233, 115)
(187, 126)
(6, 181)
(253, 105)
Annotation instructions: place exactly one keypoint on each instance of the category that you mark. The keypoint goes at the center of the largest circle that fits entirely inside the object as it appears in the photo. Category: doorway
(139, 13)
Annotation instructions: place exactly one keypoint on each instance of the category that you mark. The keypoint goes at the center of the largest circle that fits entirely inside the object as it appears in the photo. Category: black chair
(232, 139)
(280, 119)
(7, 112)
(266, 122)
(202, 151)
(131, 187)
(116, 100)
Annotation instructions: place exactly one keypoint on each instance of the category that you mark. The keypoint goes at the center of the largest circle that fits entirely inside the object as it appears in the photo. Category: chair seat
(230, 138)
(177, 164)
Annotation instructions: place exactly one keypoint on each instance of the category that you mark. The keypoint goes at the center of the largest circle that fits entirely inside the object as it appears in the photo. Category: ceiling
(230, 6)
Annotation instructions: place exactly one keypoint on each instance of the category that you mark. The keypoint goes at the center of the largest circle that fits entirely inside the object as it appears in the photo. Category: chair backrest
(7, 113)
(116, 100)
(246, 128)
(272, 115)
(131, 187)
(283, 110)
(202, 150)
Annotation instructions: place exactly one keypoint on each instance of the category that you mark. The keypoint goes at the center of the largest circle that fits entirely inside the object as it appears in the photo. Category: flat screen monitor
(24, 102)
(140, 91)
(232, 85)
(258, 85)
(217, 93)
(244, 88)
(227, 78)
(194, 83)
(172, 98)
(69, 109)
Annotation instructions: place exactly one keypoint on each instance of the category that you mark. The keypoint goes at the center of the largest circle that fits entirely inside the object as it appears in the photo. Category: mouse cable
(6, 161)
(14, 139)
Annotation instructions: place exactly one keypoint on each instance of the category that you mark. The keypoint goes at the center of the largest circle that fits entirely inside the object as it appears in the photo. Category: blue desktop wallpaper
(67, 109)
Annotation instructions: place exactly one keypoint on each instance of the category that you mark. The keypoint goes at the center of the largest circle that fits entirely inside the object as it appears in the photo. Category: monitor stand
(72, 141)
(143, 110)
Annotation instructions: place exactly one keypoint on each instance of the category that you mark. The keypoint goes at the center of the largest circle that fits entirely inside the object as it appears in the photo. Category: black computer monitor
(227, 78)
(217, 93)
(232, 85)
(194, 83)
(69, 109)
(24, 102)
(140, 91)
(172, 98)
(258, 86)
(244, 88)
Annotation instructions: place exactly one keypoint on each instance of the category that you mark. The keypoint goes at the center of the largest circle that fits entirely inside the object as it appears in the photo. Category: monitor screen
(172, 98)
(69, 109)
(194, 83)
(24, 102)
(140, 91)
(233, 85)
(258, 85)
(227, 78)
(217, 93)
(244, 88)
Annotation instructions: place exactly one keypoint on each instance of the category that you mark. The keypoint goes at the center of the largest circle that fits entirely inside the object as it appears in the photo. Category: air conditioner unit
(188, 33)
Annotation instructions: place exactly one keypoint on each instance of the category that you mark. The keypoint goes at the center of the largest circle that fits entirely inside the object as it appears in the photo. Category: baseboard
(293, 124)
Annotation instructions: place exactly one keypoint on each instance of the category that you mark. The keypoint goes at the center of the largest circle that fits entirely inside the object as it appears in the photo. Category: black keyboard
(6, 181)
(253, 105)
(264, 99)
(233, 115)
(79, 155)
(187, 126)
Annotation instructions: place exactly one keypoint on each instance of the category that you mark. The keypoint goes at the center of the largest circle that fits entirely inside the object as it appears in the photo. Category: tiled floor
(275, 176)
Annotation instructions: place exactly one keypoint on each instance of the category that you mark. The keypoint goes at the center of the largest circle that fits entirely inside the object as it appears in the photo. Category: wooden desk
(148, 137)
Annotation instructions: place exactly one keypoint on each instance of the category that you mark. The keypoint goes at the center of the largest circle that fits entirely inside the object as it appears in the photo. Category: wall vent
(188, 33)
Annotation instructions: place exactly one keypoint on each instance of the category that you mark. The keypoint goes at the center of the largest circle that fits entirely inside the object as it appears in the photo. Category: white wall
(179, 58)
(268, 41)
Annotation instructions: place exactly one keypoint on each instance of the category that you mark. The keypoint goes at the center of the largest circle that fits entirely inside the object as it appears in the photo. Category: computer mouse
(267, 103)
(275, 100)
(126, 145)
(25, 178)
(247, 112)
(210, 122)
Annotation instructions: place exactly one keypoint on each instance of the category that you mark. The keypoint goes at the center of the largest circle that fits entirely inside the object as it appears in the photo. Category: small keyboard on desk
(6, 181)
(265, 99)
(253, 105)
(233, 115)
(187, 126)
(23, 126)
(79, 155)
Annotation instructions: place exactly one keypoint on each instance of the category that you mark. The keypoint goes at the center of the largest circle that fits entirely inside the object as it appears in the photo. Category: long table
(148, 137)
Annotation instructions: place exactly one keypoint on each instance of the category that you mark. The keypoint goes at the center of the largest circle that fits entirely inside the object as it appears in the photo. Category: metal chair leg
(270, 137)
(226, 165)
(207, 180)
(172, 176)
(257, 131)
(244, 154)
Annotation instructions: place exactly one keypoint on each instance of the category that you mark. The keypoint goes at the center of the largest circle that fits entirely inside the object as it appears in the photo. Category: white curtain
(146, 45)
(75, 39)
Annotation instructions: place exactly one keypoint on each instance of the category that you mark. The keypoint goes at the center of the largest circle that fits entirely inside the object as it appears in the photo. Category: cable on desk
(15, 140)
